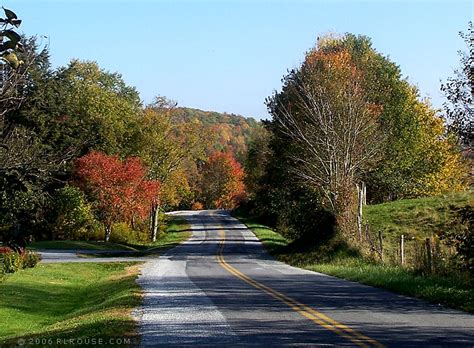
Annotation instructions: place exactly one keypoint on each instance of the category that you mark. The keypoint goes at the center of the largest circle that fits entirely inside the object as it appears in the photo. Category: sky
(228, 56)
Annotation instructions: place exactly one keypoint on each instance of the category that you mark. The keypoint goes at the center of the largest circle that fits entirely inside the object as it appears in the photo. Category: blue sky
(230, 55)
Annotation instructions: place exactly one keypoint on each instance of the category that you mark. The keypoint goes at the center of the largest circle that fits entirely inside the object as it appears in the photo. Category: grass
(416, 217)
(177, 231)
(337, 260)
(76, 300)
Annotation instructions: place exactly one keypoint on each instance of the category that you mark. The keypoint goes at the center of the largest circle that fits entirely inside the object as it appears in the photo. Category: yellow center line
(304, 310)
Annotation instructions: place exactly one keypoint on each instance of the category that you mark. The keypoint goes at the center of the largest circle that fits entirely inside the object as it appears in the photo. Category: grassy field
(63, 301)
(405, 216)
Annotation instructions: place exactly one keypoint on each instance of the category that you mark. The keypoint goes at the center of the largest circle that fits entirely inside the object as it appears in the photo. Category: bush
(461, 237)
(30, 259)
(12, 262)
(73, 215)
(197, 206)
(123, 233)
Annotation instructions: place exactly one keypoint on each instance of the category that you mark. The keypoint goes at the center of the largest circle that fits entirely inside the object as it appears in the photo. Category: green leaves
(8, 48)
(13, 36)
(12, 60)
(11, 19)
(10, 14)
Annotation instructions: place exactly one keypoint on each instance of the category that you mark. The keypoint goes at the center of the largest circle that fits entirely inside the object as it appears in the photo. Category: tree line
(82, 156)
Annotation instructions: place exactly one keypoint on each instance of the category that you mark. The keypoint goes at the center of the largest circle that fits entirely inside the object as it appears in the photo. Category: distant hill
(232, 131)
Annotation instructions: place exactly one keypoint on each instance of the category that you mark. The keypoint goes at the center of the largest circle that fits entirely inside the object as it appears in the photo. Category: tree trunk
(154, 221)
(108, 231)
(360, 203)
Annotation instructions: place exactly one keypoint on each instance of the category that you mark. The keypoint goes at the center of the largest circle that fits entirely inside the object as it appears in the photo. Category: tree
(405, 120)
(324, 111)
(119, 189)
(221, 184)
(73, 217)
(256, 160)
(81, 107)
(167, 147)
(459, 91)
(27, 168)
(12, 71)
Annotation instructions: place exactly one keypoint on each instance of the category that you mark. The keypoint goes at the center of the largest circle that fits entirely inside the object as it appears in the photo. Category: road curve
(221, 288)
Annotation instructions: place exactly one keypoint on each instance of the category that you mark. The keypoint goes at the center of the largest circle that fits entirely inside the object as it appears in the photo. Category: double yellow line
(306, 311)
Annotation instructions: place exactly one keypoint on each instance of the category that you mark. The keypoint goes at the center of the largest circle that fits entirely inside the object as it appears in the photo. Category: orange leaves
(222, 183)
(120, 188)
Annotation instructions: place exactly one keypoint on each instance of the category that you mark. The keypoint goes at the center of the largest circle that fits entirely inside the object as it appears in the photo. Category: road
(221, 288)
(87, 255)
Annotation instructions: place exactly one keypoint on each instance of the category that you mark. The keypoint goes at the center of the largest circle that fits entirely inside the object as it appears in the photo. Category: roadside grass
(75, 300)
(337, 260)
(177, 231)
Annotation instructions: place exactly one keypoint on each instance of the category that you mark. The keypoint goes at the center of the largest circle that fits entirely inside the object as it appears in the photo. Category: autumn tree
(323, 109)
(221, 182)
(411, 127)
(166, 147)
(120, 189)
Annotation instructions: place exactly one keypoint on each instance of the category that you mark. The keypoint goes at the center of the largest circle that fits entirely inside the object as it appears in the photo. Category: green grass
(416, 219)
(177, 231)
(336, 259)
(419, 217)
(75, 300)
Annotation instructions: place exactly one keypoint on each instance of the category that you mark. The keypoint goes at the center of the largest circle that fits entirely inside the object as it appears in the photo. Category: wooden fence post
(402, 249)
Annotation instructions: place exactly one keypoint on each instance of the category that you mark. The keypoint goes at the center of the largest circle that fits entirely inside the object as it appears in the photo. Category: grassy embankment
(75, 300)
(416, 218)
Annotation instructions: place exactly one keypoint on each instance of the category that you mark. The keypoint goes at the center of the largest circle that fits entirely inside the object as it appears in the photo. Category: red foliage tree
(120, 188)
(222, 184)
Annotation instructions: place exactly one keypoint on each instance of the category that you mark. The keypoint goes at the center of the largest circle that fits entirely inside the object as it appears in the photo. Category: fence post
(429, 258)
(402, 249)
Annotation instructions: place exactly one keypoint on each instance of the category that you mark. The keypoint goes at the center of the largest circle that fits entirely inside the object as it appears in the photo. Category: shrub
(461, 237)
(4, 250)
(73, 214)
(30, 259)
(123, 233)
(12, 262)
(197, 206)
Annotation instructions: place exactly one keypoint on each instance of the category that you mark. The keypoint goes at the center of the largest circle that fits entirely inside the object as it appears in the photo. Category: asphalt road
(87, 255)
(221, 288)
